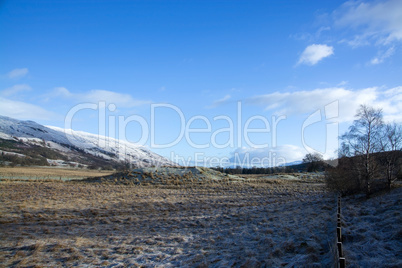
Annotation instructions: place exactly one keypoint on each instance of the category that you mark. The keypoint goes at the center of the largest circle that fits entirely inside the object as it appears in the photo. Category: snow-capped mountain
(78, 144)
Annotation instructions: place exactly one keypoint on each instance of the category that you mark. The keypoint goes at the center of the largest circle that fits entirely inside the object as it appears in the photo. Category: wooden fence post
(339, 234)
(341, 258)
(340, 250)
(342, 262)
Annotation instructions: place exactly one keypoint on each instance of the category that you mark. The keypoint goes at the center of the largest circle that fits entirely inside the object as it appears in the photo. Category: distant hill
(29, 143)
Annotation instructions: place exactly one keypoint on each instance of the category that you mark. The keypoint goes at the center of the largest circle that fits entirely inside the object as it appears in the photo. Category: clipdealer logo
(238, 132)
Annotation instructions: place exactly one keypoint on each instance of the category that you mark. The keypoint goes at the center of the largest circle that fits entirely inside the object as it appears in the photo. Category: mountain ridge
(75, 145)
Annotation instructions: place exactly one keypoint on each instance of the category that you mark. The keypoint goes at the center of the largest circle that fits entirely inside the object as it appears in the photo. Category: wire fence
(339, 245)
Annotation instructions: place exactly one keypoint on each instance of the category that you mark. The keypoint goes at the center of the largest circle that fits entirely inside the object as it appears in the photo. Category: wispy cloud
(378, 22)
(93, 96)
(382, 56)
(15, 89)
(315, 53)
(220, 102)
(23, 110)
(342, 83)
(304, 102)
(311, 37)
(61, 92)
(17, 73)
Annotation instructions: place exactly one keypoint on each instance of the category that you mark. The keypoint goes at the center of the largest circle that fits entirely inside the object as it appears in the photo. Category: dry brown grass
(49, 172)
(227, 224)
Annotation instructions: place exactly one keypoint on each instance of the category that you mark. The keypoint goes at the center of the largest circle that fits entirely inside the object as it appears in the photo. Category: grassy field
(48, 173)
(372, 231)
(95, 224)
(278, 222)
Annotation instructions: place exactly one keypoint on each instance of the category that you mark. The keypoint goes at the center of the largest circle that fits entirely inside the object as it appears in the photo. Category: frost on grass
(219, 225)
(372, 230)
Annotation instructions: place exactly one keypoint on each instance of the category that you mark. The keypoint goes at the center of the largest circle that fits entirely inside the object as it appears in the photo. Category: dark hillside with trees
(370, 158)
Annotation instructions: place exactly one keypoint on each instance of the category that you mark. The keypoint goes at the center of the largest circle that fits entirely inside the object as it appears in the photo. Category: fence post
(339, 234)
(342, 262)
(341, 258)
(340, 250)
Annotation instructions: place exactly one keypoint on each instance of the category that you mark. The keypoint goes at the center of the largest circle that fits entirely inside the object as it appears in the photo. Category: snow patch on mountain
(67, 140)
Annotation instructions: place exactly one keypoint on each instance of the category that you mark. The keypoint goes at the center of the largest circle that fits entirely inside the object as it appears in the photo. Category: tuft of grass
(37, 247)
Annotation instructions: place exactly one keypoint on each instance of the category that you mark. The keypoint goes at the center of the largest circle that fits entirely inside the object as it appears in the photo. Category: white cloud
(15, 89)
(220, 102)
(17, 73)
(391, 104)
(307, 102)
(315, 53)
(378, 22)
(95, 96)
(23, 110)
(270, 156)
(382, 56)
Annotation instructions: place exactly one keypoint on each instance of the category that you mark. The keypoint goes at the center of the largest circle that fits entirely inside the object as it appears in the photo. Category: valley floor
(49, 173)
(90, 224)
(272, 224)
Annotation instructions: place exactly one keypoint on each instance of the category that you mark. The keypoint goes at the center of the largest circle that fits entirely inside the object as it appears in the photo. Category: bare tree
(391, 143)
(363, 140)
(314, 161)
(315, 157)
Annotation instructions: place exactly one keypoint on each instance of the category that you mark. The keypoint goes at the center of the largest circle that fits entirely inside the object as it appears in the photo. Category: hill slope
(19, 139)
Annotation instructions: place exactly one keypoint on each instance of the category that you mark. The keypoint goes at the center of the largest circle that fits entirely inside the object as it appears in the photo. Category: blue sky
(178, 73)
